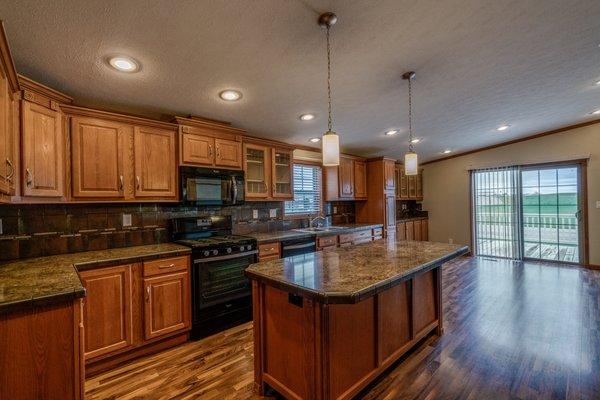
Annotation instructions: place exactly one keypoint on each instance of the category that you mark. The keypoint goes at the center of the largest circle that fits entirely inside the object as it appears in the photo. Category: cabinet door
(419, 179)
(108, 310)
(97, 148)
(5, 135)
(397, 181)
(43, 152)
(390, 213)
(167, 304)
(403, 184)
(283, 181)
(155, 165)
(417, 230)
(360, 180)
(389, 173)
(412, 186)
(410, 233)
(425, 230)
(257, 164)
(228, 153)
(401, 230)
(197, 150)
(346, 177)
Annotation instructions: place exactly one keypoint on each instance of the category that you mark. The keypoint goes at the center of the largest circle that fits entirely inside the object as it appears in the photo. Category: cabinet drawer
(268, 249)
(362, 235)
(378, 232)
(165, 265)
(346, 238)
(327, 241)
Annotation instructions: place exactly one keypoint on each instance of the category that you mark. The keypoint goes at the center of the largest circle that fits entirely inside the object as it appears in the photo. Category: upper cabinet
(409, 187)
(269, 171)
(207, 143)
(121, 158)
(348, 181)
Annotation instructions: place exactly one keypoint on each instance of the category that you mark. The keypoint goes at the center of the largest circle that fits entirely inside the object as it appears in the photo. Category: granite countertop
(404, 219)
(351, 274)
(44, 280)
(296, 234)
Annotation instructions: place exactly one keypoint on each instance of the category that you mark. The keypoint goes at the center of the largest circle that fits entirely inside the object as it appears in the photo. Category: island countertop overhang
(350, 275)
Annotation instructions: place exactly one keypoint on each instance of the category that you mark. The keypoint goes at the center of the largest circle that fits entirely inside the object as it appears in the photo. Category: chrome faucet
(311, 221)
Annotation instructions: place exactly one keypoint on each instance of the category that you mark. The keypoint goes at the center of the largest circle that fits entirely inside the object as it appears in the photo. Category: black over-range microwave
(211, 187)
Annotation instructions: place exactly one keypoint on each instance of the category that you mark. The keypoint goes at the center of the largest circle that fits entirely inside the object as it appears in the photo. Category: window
(307, 191)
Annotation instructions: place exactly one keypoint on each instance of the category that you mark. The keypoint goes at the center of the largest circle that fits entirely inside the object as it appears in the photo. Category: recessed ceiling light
(596, 112)
(307, 117)
(446, 151)
(391, 132)
(502, 128)
(598, 83)
(230, 95)
(415, 140)
(124, 64)
(314, 140)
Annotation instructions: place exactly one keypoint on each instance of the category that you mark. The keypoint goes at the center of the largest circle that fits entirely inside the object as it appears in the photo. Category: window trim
(321, 203)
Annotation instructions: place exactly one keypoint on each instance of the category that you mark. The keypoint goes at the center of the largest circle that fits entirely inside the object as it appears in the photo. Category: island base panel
(305, 349)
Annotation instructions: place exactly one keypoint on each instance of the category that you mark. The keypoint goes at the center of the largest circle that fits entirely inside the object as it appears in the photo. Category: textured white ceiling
(479, 63)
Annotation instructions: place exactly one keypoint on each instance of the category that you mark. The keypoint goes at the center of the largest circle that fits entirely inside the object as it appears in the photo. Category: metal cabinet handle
(137, 179)
(29, 179)
(121, 183)
(273, 187)
(210, 150)
(166, 266)
(218, 152)
(12, 170)
(147, 294)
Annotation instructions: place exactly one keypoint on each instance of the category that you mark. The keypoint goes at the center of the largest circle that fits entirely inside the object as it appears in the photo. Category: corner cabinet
(269, 172)
(408, 187)
(348, 181)
(207, 143)
(120, 158)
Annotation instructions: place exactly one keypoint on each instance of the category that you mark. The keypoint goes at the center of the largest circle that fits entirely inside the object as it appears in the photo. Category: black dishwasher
(294, 247)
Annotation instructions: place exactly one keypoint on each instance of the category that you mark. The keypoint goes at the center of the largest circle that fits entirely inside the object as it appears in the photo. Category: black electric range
(221, 293)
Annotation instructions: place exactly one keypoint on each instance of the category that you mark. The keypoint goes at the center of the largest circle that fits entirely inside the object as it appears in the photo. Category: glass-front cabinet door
(258, 169)
(282, 185)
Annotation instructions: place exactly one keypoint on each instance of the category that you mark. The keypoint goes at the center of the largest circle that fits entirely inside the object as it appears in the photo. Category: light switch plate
(335, 210)
(272, 213)
(597, 204)
(126, 220)
(451, 241)
(255, 214)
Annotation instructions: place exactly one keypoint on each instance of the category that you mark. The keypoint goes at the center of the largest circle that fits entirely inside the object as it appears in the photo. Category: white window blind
(307, 191)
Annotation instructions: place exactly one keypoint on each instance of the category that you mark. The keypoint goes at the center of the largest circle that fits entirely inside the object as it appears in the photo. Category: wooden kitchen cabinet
(269, 171)
(408, 187)
(401, 230)
(346, 177)
(417, 230)
(413, 230)
(155, 163)
(43, 151)
(98, 157)
(424, 230)
(269, 251)
(9, 113)
(208, 143)
(410, 230)
(166, 304)
(360, 179)
(108, 311)
(389, 175)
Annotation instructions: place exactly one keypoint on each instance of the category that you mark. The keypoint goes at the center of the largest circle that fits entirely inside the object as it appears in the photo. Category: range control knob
(228, 250)
(242, 248)
(249, 247)
(206, 253)
(215, 252)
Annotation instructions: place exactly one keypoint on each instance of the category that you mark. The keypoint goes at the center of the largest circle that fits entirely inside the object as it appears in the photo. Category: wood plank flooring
(513, 330)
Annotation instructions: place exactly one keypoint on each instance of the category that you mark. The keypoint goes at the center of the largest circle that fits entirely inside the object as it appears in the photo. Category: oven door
(207, 186)
(220, 280)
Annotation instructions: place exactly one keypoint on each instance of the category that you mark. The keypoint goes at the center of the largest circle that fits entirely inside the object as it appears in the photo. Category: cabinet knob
(121, 183)
(147, 294)
(137, 179)
(29, 178)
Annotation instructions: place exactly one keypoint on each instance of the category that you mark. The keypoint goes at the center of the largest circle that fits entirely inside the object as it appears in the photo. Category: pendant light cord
(410, 138)
(329, 124)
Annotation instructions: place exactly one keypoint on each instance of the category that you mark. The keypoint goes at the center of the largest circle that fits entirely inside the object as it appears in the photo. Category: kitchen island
(328, 323)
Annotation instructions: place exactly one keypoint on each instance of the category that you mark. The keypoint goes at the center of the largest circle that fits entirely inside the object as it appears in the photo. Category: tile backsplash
(39, 230)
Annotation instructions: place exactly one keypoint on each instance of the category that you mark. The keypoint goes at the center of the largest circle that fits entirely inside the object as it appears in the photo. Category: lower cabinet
(413, 230)
(269, 251)
(131, 306)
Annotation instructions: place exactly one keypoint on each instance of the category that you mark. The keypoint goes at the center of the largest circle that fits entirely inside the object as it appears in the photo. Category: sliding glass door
(551, 212)
(531, 212)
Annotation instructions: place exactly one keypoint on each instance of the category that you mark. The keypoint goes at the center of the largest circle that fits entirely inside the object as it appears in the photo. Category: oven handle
(234, 190)
(225, 257)
(298, 246)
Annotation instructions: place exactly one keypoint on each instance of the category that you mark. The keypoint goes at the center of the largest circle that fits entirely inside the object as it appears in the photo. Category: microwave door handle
(234, 190)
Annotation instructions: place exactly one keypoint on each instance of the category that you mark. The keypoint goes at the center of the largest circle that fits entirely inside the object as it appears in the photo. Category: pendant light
(411, 161)
(331, 140)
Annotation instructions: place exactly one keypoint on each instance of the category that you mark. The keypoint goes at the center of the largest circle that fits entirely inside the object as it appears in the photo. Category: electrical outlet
(255, 214)
(335, 210)
(451, 241)
(126, 220)
(272, 213)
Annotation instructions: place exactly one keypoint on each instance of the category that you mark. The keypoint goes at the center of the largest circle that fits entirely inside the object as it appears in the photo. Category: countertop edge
(355, 297)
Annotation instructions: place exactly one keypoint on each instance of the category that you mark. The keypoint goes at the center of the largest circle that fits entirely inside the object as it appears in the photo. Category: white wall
(447, 192)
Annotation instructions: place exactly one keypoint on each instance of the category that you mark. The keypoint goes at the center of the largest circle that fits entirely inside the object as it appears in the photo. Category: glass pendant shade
(411, 163)
(331, 149)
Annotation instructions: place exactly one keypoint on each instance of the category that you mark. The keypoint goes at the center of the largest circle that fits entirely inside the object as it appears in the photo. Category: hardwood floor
(513, 330)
